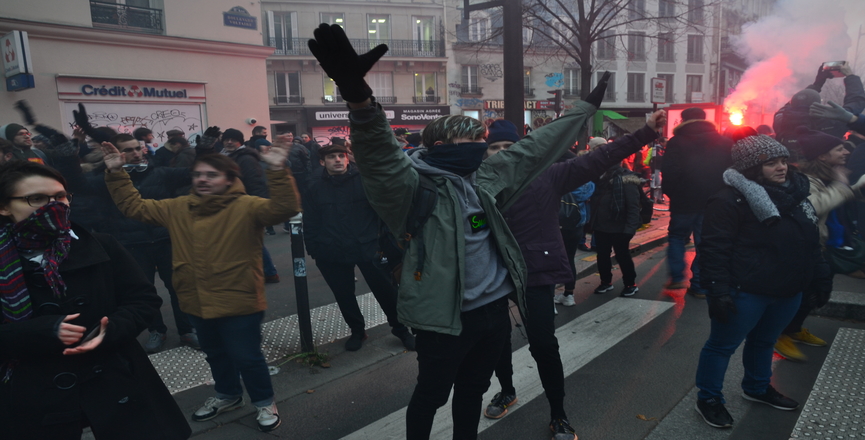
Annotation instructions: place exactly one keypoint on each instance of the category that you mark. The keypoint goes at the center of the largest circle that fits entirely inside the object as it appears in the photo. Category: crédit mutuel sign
(101, 89)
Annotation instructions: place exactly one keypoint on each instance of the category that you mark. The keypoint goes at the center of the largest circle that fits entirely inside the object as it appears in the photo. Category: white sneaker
(555, 310)
(268, 418)
(214, 406)
(565, 300)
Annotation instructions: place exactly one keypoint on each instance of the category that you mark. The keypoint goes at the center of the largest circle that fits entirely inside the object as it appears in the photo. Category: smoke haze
(786, 48)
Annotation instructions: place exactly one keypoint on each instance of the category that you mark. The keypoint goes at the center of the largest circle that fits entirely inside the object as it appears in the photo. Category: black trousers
(153, 257)
(340, 279)
(544, 347)
(571, 238)
(606, 242)
(464, 363)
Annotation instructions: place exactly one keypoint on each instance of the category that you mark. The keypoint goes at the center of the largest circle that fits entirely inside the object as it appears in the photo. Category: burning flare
(736, 117)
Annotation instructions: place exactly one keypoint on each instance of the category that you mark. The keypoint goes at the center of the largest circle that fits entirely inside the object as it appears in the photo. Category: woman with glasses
(72, 305)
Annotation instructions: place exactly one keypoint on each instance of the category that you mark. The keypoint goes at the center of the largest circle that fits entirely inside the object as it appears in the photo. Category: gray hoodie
(486, 277)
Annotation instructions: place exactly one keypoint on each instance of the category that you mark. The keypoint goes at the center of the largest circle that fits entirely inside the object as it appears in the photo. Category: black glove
(597, 94)
(54, 137)
(212, 132)
(24, 108)
(820, 79)
(342, 64)
(83, 122)
(721, 307)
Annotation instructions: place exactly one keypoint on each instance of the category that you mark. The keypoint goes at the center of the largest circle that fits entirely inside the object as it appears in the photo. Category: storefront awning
(598, 126)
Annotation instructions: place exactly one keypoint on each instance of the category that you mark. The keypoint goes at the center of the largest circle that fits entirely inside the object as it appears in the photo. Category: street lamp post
(512, 49)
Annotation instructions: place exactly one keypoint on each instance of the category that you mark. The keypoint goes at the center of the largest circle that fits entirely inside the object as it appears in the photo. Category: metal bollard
(301, 290)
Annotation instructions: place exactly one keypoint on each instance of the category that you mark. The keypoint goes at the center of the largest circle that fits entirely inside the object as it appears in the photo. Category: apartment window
(636, 87)
(425, 87)
(331, 91)
(611, 86)
(381, 84)
(563, 31)
(695, 11)
(378, 28)
(637, 47)
(472, 114)
(665, 48)
(668, 95)
(636, 9)
(130, 15)
(666, 8)
(470, 79)
(572, 82)
(695, 48)
(527, 35)
(282, 31)
(607, 46)
(694, 88)
(333, 18)
(527, 82)
(479, 26)
(287, 88)
(424, 36)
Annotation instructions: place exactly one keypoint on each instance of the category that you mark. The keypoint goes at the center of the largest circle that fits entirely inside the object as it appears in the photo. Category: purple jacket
(534, 218)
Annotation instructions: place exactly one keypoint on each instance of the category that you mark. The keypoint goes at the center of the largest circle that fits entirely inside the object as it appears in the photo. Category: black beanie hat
(11, 130)
(814, 143)
(232, 133)
(502, 130)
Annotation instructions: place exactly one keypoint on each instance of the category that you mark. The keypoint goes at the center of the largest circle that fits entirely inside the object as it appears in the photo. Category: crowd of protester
(773, 215)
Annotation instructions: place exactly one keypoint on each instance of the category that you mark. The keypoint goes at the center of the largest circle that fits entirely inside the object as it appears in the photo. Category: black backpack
(647, 208)
(393, 250)
(569, 212)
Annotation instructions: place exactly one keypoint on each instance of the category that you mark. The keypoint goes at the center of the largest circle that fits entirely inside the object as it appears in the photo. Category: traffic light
(558, 106)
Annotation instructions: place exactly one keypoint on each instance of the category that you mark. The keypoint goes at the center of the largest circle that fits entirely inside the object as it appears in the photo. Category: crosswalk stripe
(580, 341)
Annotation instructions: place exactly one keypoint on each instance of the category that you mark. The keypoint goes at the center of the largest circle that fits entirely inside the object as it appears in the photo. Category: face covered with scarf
(462, 157)
(44, 229)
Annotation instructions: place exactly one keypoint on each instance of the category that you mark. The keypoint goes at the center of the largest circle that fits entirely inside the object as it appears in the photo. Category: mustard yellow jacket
(216, 240)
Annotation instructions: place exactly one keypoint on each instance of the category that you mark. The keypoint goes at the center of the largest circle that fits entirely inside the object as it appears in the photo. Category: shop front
(328, 122)
(127, 104)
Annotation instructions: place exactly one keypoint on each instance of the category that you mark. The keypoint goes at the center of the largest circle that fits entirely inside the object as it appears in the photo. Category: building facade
(160, 64)
(410, 80)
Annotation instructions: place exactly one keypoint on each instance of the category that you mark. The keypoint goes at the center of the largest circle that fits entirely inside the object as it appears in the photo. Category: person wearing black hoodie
(252, 176)
(694, 162)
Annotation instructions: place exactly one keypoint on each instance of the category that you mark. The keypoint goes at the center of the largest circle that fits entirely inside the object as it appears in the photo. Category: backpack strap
(425, 199)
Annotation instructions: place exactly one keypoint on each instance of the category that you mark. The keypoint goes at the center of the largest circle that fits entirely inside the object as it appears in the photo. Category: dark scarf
(47, 229)
(787, 197)
(460, 159)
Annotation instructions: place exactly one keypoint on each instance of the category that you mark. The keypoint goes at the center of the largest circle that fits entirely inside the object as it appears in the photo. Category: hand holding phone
(92, 340)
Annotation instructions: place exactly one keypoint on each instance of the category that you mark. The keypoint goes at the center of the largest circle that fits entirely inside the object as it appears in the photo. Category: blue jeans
(233, 346)
(269, 268)
(758, 321)
(681, 226)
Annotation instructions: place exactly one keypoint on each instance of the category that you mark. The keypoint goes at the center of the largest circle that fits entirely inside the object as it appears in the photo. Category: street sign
(16, 54)
(21, 81)
(659, 91)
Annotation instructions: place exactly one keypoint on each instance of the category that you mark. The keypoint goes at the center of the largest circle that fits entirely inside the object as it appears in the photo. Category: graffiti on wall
(491, 72)
(556, 80)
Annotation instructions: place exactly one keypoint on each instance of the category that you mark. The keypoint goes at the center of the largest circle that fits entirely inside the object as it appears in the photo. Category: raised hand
(114, 159)
(91, 344)
(831, 111)
(657, 120)
(278, 153)
(24, 108)
(339, 60)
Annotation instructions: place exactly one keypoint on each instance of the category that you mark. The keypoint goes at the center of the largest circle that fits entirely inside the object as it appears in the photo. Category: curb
(636, 249)
(844, 305)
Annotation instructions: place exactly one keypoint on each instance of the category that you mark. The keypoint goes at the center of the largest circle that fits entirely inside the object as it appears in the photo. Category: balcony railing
(636, 97)
(528, 91)
(331, 99)
(396, 48)
(470, 90)
(428, 99)
(291, 99)
(131, 18)
(385, 99)
(572, 93)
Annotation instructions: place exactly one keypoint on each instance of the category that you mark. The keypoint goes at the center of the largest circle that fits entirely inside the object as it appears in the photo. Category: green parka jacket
(390, 179)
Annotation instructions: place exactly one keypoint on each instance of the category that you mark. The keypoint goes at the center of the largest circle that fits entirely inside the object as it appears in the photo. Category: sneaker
(407, 338)
(807, 338)
(772, 398)
(355, 341)
(269, 231)
(603, 288)
(675, 285)
(190, 339)
(714, 413)
(565, 300)
(498, 407)
(630, 290)
(785, 347)
(267, 418)
(215, 406)
(154, 342)
(562, 430)
(271, 279)
(696, 293)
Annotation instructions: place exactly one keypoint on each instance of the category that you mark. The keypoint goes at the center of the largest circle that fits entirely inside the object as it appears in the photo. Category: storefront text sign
(102, 89)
